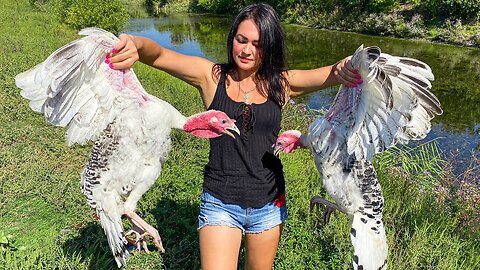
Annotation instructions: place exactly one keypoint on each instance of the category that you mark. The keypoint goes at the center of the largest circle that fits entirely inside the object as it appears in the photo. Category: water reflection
(193, 35)
(456, 69)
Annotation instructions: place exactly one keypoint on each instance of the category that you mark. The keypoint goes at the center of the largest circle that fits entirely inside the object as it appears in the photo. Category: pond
(456, 69)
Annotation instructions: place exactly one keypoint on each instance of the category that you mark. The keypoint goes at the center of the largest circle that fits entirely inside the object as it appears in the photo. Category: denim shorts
(248, 219)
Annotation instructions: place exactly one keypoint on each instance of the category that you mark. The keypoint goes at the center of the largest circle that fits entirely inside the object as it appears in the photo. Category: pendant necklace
(246, 94)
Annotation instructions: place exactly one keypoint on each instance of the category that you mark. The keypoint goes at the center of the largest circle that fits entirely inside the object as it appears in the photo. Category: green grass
(46, 224)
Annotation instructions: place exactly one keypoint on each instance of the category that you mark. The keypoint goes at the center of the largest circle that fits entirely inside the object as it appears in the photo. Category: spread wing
(74, 86)
(394, 103)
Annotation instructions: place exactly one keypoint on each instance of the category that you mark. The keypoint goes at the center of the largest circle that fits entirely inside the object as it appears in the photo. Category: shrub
(415, 27)
(176, 7)
(384, 24)
(60, 8)
(452, 32)
(368, 6)
(393, 25)
(453, 9)
(217, 6)
(476, 42)
(109, 15)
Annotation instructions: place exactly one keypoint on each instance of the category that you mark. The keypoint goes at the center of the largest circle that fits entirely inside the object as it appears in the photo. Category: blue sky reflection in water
(147, 28)
(456, 69)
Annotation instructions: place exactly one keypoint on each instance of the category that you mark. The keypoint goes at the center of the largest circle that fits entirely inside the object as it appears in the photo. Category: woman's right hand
(124, 54)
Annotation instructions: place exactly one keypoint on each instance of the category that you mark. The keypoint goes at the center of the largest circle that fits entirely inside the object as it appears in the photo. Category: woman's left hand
(345, 73)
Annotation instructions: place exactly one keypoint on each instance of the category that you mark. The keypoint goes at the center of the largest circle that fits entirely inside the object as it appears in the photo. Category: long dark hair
(270, 76)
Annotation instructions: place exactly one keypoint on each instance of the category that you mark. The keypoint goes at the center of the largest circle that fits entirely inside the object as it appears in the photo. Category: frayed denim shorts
(248, 219)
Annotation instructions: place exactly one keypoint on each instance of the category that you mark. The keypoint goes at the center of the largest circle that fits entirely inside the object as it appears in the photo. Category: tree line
(467, 10)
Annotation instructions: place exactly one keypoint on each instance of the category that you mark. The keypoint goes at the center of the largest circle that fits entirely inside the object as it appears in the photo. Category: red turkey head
(210, 124)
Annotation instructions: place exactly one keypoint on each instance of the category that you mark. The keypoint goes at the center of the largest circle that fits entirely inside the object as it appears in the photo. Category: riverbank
(402, 22)
(46, 224)
(407, 21)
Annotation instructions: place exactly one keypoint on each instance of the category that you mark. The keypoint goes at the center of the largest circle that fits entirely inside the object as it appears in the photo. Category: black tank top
(244, 171)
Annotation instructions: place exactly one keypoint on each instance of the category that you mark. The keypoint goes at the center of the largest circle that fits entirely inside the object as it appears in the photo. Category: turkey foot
(141, 229)
(329, 207)
(139, 241)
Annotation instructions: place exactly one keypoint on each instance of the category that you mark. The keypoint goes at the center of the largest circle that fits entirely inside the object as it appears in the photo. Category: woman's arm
(191, 69)
(306, 81)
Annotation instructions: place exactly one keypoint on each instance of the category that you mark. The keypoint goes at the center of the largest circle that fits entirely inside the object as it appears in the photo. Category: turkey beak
(233, 128)
(276, 149)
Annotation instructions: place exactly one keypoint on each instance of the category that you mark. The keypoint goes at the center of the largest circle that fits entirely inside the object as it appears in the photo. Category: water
(456, 70)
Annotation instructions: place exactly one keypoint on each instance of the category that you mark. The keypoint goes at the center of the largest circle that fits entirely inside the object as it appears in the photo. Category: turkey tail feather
(370, 243)
(116, 239)
(368, 233)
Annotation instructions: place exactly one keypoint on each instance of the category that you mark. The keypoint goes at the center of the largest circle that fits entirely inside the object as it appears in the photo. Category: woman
(244, 187)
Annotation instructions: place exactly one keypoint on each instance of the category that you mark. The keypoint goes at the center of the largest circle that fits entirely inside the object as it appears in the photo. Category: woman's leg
(261, 248)
(219, 247)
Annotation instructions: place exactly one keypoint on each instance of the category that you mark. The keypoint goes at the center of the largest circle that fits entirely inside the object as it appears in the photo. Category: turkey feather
(131, 129)
(392, 105)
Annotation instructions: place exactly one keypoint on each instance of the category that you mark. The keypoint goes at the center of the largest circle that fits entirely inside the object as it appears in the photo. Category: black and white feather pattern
(392, 105)
(74, 87)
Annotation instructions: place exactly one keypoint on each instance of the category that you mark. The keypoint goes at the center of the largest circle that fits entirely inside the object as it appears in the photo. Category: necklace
(246, 94)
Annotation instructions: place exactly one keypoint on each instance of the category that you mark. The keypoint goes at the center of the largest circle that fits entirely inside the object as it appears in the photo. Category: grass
(46, 224)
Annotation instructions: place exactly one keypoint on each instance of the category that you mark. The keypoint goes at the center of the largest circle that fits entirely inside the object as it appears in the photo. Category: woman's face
(246, 53)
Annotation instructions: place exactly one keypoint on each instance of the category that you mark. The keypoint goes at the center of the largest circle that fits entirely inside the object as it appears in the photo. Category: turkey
(130, 129)
(392, 105)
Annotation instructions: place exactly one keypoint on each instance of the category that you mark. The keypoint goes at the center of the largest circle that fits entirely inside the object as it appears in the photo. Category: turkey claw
(329, 207)
(139, 242)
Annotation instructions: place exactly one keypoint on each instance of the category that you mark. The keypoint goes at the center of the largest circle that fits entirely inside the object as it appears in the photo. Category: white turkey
(392, 105)
(129, 127)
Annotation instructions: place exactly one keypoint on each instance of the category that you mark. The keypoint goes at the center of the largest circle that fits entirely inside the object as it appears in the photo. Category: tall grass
(46, 224)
